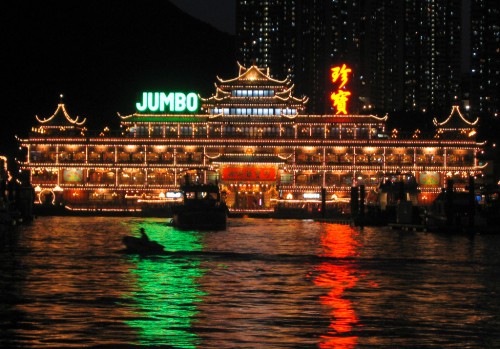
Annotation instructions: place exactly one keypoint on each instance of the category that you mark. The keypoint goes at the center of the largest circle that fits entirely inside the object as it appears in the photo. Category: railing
(255, 135)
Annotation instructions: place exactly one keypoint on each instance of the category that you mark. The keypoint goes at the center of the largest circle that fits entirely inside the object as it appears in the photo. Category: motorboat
(142, 245)
(202, 208)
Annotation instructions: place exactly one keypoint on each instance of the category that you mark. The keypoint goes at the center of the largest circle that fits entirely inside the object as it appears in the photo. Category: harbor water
(262, 283)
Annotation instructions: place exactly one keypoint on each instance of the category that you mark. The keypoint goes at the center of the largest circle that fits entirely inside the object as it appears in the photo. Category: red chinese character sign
(340, 74)
(248, 173)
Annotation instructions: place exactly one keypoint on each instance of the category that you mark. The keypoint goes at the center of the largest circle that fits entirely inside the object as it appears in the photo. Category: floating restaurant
(252, 138)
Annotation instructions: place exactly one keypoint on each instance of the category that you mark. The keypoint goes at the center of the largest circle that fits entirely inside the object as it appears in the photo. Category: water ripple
(65, 282)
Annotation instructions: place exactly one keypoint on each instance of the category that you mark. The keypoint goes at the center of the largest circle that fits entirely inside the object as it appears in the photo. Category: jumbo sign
(177, 102)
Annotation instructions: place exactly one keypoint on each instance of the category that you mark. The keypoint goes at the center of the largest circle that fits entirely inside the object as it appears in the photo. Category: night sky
(219, 13)
(101, 55)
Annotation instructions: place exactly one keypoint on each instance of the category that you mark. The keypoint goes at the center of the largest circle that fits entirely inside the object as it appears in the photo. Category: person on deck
(144, 236)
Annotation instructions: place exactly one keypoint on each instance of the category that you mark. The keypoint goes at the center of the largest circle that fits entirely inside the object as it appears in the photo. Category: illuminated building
(253, 139)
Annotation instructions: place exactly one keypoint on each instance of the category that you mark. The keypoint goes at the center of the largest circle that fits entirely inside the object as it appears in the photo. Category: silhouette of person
(143, 234)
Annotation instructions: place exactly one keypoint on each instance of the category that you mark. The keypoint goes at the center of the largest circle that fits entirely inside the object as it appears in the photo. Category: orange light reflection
(338, 276)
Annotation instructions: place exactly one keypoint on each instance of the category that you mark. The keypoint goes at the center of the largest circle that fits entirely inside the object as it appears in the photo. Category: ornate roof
(254, 78)
(455, 121)
(60, 118)
(253, 75)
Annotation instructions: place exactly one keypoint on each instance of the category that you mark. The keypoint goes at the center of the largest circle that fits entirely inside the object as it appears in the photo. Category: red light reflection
(338, 276)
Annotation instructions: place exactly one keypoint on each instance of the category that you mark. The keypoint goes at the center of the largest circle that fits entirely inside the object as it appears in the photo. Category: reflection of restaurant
(252, 138)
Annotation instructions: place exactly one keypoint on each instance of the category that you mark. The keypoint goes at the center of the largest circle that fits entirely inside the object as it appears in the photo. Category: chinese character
(340, 99)
(342, 73)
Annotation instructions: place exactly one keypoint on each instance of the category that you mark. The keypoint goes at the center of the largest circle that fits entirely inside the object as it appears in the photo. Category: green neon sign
(176, 102)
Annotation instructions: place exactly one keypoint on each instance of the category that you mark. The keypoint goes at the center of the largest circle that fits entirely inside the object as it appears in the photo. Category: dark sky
(101, 55)
(219, 13)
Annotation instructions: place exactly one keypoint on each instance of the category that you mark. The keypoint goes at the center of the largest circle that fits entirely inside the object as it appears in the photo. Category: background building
(409, 55)
(485, 57)
(301, 39)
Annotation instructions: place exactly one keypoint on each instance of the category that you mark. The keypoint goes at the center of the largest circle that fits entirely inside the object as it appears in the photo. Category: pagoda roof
(456, 120)
(253, 76)
(61, 118)
(279, 98)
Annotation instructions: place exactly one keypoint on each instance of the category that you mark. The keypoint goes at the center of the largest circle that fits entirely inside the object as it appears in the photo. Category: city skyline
(406, 55)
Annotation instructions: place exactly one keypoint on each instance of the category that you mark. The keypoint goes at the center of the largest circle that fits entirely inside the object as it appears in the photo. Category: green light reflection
(166, 290)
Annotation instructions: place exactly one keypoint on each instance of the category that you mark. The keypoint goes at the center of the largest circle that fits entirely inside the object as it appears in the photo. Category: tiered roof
(456, 121)
(254, 78)
(248, 76)
(456, 125)
(60, 118)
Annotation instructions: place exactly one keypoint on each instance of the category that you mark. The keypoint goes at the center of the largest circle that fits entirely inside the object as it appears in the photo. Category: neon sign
(248, 173)
(175, 102)
(341, 96)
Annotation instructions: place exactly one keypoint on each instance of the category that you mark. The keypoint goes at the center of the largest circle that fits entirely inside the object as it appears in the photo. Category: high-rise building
(406, 54)
(267, 34)
(485, 57)
(300, 39)
(412, 54)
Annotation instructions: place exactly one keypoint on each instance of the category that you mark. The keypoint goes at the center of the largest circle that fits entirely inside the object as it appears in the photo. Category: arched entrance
(47, 197)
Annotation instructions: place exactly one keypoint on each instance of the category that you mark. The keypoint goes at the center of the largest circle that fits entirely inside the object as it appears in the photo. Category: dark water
(260, 284)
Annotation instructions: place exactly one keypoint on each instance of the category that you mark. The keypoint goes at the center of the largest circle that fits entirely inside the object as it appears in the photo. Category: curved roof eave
(61, 109)
(252, 73)
(455, 110)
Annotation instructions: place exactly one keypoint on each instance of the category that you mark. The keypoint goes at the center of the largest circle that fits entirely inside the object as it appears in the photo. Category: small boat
(202, 208)
(142, 245)
(456, 213)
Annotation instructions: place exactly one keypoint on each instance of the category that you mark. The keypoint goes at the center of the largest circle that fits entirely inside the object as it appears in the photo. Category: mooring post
(354, 203)
(361, 214)
(472, 202)
(323, 202)
(448, 203)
